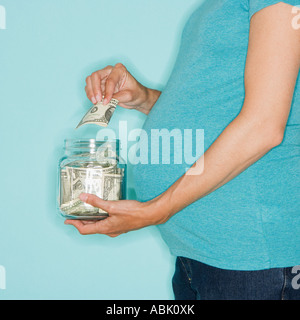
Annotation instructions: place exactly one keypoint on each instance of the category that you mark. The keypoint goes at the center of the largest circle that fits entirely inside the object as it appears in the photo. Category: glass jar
(93, 167)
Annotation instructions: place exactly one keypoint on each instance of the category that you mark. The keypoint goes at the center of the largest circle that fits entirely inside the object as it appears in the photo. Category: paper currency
(104, 181)
(99, 114)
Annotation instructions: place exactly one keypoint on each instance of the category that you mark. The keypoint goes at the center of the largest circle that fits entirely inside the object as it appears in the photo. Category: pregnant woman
(234, 223)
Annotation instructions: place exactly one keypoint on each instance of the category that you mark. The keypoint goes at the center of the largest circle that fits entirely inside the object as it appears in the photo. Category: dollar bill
(99, 114)
(112, 186)
(64, 195)
(105, 182)
(79, 209)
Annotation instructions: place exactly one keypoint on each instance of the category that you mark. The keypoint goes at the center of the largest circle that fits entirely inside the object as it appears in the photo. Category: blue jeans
(194, 280)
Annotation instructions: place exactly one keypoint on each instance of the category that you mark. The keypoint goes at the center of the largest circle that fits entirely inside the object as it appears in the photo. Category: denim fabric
(194, 280)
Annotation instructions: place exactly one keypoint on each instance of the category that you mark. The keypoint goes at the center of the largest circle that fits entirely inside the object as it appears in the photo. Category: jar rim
(87, 143)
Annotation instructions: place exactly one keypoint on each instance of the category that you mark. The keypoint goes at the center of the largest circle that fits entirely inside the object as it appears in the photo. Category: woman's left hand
(124, 216)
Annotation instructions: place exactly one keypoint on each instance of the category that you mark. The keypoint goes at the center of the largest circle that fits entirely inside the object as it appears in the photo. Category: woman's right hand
(116, 82)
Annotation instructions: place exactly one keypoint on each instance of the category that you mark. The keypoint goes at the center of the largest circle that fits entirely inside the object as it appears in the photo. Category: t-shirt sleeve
(257, 5)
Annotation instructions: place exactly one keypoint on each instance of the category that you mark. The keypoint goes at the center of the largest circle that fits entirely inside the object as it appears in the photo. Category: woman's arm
(271, 72)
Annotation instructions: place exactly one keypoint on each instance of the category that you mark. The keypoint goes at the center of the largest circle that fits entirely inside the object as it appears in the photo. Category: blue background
(46, 52)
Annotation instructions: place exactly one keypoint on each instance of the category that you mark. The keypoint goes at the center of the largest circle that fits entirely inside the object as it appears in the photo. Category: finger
(102, 84)
(96, 86)
(113, 82)
(114, 235)
(83, 229)
(90, 86)
(103, 75)
(99, 227)
(96, 201)
(88, 221)
(89, 90)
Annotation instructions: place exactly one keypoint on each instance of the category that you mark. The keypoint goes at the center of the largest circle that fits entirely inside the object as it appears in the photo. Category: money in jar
(94, 167)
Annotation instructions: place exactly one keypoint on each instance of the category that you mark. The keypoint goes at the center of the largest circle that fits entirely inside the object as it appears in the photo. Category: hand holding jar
(123, 216)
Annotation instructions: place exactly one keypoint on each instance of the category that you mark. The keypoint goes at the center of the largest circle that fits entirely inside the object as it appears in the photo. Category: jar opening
(88, 145)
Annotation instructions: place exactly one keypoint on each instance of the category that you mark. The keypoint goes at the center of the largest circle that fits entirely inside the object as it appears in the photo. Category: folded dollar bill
(99, 114)
(105, 182)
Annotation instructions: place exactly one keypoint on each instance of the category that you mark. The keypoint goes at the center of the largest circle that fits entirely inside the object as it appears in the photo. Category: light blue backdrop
(46, 52)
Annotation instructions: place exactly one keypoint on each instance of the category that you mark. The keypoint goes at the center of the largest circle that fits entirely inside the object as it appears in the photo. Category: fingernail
(98, 98)
(105, 101)
(94, 100)
(83, 197)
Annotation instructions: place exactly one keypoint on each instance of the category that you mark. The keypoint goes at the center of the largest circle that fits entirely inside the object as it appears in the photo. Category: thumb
(123, 96)
(95, 201)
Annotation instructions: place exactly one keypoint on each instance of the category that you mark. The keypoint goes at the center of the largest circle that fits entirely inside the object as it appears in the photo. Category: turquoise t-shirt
(252, 222)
